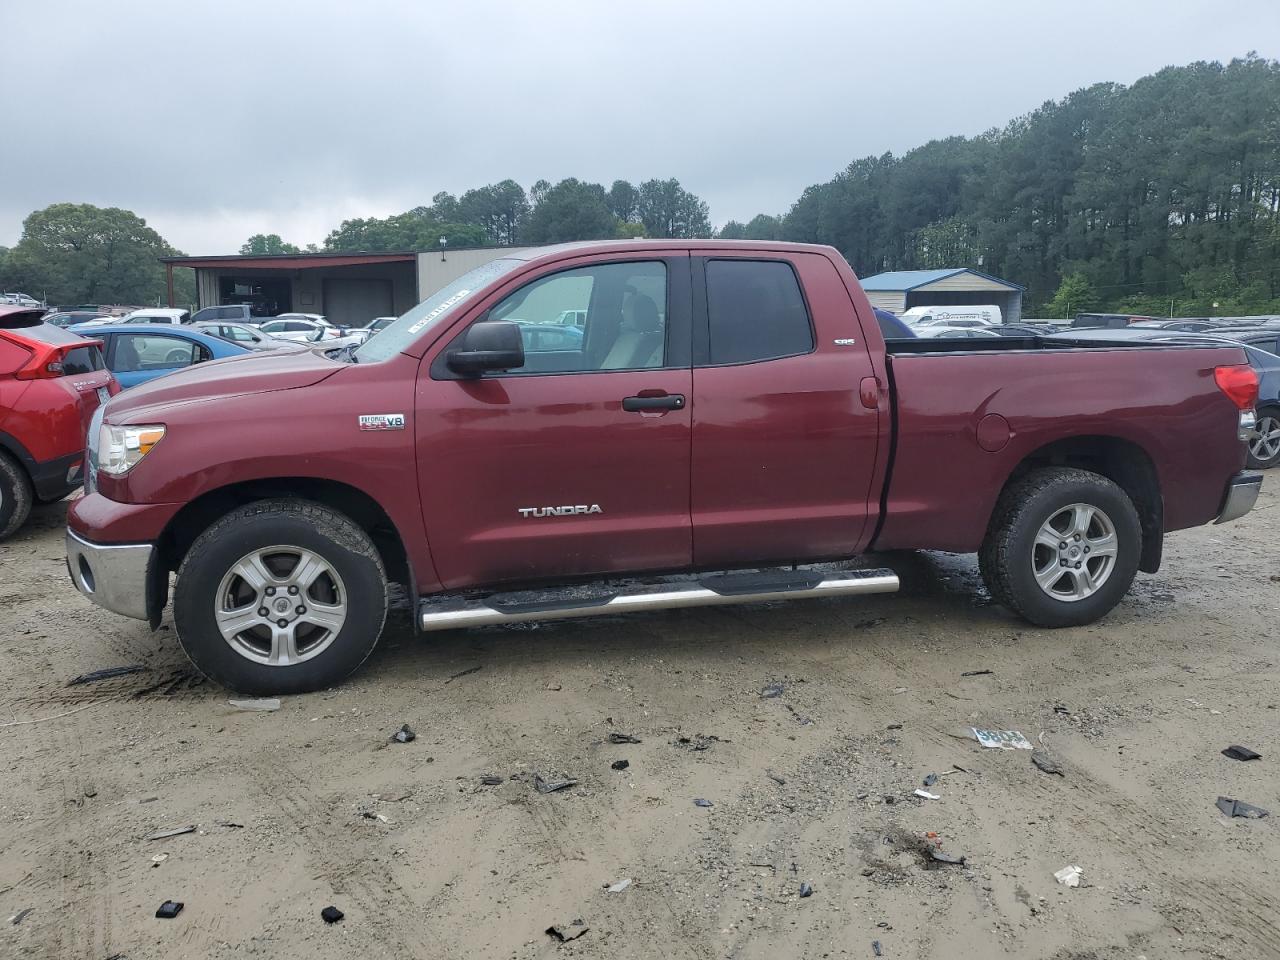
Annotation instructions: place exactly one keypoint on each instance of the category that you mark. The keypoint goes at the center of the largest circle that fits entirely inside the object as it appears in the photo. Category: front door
(576, 464)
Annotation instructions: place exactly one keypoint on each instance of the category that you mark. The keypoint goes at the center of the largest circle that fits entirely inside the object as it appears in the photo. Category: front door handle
(670, 401)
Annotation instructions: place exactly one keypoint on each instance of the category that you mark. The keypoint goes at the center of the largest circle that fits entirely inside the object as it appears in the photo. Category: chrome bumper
(111, 575)
(1242, 494)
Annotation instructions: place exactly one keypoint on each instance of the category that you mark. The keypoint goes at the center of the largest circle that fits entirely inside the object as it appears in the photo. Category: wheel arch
(362, 509)
(1123, 462)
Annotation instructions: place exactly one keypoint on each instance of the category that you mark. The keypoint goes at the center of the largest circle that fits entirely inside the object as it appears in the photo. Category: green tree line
(1158, 196)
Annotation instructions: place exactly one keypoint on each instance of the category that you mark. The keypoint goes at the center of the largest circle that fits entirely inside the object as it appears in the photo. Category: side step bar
(599, 600)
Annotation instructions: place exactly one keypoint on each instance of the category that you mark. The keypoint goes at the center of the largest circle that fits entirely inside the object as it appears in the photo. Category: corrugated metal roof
(910, 279)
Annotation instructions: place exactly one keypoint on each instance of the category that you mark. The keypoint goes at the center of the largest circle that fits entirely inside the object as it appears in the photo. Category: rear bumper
(115, 576)
(1242, 494)
(54, 479)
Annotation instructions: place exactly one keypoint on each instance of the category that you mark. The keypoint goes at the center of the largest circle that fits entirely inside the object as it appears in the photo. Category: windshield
(399, 334)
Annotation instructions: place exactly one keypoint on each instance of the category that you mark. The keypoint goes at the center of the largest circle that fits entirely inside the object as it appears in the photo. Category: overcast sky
(216, 119)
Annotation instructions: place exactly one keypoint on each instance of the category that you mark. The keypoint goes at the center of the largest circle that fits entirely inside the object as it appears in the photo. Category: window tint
(617, 318)
(756, 311)
(230, 313)
(81, 360)
(136, 352)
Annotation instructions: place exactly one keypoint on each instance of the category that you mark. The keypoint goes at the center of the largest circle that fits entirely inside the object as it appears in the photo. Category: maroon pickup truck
(617, 426)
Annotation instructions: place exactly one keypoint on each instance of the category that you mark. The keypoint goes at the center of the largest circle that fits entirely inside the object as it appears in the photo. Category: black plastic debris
(565, 932)
(1059, 708)
(106, 673)
(229, 824)
(463, 673)
(1046, 762)
(1236, 752)
(491, 781)
(771, 690)
(1238, 808)
(700, 802)
(775, 778)
(21, 915)
(894, 726)
(806, 890)
(700, 742)
(166, 834)
(404, 735)
(619, 764)
(331, 914)
(940, 857)
(551, 786)
(930, 780)
(623, 738)
(977, 673)
(169, 909)
(875, 948)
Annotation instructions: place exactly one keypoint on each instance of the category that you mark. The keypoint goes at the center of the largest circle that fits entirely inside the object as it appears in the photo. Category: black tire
(1268, 418)
(15, 495)
(265, 523)
(1006, 557)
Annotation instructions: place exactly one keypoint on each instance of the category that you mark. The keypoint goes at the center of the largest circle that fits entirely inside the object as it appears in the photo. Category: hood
(256, 372)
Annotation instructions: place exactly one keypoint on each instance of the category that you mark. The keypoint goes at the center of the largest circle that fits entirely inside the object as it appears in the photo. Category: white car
(20, 300)
(954, 332)
(157, 315)
(979, 314)
(300, 330)
(243, 334)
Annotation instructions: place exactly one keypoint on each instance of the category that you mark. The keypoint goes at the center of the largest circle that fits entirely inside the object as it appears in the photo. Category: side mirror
(489, 345)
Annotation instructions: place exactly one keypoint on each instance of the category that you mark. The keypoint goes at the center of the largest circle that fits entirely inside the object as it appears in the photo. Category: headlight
(119, 448)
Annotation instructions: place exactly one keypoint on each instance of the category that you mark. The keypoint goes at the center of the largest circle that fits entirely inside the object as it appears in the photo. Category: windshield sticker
(439, 310)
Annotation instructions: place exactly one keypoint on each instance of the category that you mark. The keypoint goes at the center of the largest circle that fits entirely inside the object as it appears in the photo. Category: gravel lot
(426, 861)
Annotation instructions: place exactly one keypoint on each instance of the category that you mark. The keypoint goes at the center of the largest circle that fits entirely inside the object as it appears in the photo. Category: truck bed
(968, 412)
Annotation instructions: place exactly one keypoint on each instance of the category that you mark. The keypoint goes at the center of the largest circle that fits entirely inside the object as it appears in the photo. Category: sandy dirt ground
(313, 805)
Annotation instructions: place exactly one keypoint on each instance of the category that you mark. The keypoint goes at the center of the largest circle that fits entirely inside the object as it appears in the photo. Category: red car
(728, 406)
(51, 383)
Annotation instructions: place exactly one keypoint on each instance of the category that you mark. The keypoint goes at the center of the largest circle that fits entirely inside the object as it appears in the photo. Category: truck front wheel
(280, 596)
(1062, 548)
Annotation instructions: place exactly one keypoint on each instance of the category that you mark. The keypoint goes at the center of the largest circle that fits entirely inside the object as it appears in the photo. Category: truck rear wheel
(15, 495)
(1062, 548)
(280, 596)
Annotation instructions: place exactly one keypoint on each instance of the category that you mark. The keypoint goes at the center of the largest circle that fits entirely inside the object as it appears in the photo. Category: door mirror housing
(488, 345)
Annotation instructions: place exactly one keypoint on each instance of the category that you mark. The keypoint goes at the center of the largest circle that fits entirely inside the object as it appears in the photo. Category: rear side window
(230, 313)
(755, 311)
(81, 360)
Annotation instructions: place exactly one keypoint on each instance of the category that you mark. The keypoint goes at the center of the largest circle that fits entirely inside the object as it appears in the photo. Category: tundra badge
(382, 421)
(528, 512)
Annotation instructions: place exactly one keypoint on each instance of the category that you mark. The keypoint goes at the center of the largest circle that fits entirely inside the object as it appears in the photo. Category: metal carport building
(348, 288)
(900, 290)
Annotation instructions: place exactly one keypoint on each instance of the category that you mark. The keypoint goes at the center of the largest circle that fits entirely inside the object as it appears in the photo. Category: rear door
(577, 463)
(784, 449)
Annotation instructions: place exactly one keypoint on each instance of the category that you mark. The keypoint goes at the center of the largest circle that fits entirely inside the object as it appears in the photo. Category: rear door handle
(672, 401)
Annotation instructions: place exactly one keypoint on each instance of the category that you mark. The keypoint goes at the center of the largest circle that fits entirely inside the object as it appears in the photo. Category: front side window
(623, 311)
(136, 352)
(755, 311)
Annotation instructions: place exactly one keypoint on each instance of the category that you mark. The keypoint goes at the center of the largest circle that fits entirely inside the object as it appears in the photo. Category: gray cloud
(215, 120)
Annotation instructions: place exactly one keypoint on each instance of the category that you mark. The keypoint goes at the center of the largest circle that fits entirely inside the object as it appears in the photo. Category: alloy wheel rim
(1074, 552)
(280, 605)
(1266, 445)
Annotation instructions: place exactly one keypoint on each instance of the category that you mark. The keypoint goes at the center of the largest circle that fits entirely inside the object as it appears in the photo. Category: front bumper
(115, 576)
(1242, 494)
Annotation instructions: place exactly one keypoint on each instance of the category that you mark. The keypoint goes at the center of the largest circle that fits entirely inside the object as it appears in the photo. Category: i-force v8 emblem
(382, 421)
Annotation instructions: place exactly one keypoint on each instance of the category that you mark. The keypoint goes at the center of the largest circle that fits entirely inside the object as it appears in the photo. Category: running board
(599, 600)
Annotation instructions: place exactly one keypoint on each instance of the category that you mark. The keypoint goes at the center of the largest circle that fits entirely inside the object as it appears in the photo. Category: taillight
(1240, 383)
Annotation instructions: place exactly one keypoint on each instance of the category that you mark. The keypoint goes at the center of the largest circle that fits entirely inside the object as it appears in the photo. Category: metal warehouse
(347, 288)
(900, 290)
